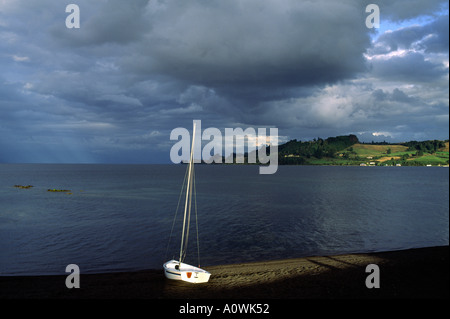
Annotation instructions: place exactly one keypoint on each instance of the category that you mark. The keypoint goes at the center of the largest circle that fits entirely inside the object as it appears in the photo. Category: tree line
(297, 152)
(431, 146)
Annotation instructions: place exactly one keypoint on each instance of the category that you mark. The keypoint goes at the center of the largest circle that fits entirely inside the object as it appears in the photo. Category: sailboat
(176, 269)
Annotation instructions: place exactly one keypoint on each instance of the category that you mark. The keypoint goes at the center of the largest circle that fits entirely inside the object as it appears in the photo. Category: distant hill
(347, 150)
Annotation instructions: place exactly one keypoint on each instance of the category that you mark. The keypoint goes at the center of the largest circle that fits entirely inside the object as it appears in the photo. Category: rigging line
(176, 213)
(196, 223)
(188, 224)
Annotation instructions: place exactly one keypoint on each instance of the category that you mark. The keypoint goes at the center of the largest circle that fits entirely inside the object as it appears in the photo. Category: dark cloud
(115, 88)
(408, 67)
(242, 45)
(115, 21)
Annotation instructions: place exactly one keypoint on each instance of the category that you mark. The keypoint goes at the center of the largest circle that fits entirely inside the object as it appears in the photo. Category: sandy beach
(413, 273)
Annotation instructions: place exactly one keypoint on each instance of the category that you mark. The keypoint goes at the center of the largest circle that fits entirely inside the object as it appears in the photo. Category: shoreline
(411, 273)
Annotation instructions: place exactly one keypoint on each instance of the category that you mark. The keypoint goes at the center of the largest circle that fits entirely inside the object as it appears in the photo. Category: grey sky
(113, 90)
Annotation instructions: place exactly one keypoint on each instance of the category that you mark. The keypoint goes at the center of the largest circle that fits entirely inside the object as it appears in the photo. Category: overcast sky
(113, 90)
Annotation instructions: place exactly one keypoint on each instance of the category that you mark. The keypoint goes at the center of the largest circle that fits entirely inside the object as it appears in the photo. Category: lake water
(119, 217)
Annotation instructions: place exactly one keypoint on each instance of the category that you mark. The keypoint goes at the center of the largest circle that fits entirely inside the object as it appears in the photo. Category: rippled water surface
(119, 217)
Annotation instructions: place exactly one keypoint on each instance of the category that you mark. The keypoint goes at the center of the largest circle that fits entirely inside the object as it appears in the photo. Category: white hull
(175, 270)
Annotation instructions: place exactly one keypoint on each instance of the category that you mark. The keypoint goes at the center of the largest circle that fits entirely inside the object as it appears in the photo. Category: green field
(347, 150)
(395, 154)
(367, 150)
(436, 159)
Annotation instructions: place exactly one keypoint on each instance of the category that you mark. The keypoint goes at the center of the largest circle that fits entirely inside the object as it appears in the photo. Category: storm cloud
(112, 90)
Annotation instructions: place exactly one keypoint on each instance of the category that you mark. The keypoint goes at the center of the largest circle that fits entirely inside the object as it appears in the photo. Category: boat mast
(187, 202)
